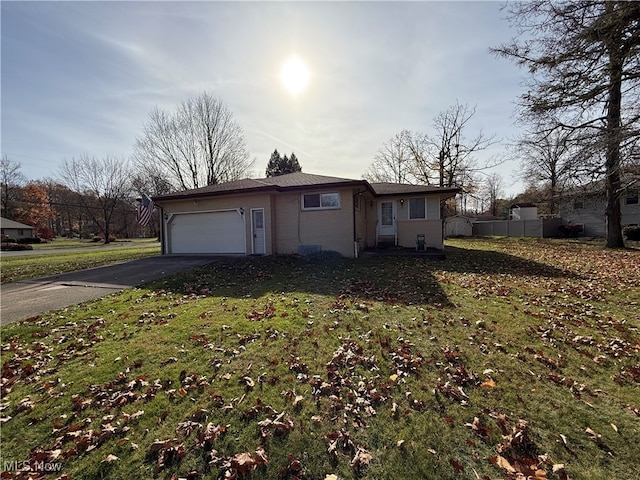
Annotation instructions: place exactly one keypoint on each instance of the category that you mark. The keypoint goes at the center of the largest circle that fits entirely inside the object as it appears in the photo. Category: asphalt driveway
(29, 298)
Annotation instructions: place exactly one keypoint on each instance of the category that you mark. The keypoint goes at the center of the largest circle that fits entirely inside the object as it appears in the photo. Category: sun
(294, 75)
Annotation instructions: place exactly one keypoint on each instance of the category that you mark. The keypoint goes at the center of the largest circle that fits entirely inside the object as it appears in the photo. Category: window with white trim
(320, 201)
(417, 208)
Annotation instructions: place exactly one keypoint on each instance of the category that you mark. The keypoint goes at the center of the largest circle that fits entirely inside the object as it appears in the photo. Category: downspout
(355, 233)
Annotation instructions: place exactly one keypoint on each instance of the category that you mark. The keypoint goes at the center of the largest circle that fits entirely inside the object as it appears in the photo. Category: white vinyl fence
(539, 228)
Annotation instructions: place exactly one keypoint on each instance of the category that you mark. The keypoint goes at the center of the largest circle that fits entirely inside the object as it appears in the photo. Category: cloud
(83, 76)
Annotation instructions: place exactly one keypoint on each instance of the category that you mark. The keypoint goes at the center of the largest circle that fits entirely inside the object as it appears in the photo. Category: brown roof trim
(398, 189)
(300, 182)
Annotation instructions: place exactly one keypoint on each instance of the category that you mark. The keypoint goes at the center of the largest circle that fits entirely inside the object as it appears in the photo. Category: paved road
(32, 297)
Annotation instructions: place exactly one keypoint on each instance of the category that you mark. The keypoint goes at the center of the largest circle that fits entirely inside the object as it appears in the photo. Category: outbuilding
(458, 226)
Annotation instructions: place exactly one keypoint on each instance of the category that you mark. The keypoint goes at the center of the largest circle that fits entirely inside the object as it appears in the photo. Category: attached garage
(217, 232)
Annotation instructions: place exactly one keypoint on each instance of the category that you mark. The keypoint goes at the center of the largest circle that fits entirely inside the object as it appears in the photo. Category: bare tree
(447, 158)
(197, 145)
(99, 184)
(548, 162)
(584, 61)
(394, 162)
(456, 153)
(492, 191)
(11, 180)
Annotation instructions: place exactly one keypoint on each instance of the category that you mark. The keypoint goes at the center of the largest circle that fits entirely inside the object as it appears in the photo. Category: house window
(320, 201)
(417, 208)
(20, 232)
(578, 205)
(632, 197)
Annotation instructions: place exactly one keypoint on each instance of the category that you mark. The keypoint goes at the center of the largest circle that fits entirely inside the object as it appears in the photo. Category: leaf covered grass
(30, 266)
(511, 357)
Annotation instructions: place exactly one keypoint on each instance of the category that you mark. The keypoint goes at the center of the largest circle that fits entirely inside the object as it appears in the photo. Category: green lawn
(61, 242)
(15, 268)
(511, 357)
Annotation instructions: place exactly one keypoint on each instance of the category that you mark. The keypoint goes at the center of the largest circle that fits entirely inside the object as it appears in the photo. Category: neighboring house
(523, 211)
(300, 213)
(587, 207)
(15, 230)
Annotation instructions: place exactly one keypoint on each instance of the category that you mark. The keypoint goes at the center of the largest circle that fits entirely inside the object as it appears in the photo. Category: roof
(301, 181)
(523, 205)
(388, 188)
(6, 223)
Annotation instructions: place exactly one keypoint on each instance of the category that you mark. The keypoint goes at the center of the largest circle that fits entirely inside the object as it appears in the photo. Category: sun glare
(294, 75)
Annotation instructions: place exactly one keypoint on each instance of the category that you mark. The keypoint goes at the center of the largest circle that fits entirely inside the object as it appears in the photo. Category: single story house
(300, 213)
(586, 208)
(15, 230)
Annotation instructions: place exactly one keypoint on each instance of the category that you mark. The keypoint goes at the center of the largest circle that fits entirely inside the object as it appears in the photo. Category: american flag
(145, 210)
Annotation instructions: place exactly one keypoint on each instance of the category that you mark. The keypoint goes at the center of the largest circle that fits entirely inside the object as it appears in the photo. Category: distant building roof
(6, 223)
(523, 205)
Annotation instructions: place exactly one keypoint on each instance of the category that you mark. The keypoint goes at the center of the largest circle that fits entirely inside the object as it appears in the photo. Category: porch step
(386, 241)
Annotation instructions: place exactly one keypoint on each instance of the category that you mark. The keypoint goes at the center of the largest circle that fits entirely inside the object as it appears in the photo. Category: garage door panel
(210, 232)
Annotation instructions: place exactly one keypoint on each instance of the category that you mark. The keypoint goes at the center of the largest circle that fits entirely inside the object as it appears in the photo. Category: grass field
(15, 268)
(509, 359)
(61, 242)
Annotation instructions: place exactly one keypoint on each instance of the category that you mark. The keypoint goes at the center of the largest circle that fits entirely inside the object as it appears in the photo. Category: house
(15, 230)
(586, 208)
(300, 213)
(523, 211)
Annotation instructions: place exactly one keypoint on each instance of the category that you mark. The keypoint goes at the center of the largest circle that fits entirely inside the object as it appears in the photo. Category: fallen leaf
(488, 383)
(456, 465)
(592, 434)
(502, 462)
(110, 458)
(361, 458)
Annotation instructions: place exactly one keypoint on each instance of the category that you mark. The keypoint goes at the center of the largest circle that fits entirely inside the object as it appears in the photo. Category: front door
(257, 229)
(387, 218)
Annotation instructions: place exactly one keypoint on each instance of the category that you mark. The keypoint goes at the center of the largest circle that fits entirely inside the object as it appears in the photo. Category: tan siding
(408, 231)
(247, 202)
(331, 229)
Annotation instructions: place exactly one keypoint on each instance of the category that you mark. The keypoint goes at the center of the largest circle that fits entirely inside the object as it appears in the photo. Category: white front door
(387, 218)
(257, 229)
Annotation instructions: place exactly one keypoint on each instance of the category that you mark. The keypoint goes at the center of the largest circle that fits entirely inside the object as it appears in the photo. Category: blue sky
(81, 77)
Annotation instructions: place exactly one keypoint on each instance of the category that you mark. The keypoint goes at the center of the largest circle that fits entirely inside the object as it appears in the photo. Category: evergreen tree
(282, 165)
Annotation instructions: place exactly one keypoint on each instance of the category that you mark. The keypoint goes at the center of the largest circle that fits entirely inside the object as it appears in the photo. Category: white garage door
(210, 232)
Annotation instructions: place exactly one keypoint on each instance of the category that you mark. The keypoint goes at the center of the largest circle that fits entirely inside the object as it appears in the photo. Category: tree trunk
(612, 139)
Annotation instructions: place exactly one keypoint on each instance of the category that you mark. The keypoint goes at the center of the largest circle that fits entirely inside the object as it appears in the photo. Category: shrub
(9, 240)
(9, 247)
(100, 238)
(45, 233)
(30, 240)
(632, 232)
(571, 231)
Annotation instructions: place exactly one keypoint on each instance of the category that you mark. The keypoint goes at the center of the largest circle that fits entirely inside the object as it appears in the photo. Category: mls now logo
(28, 466)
